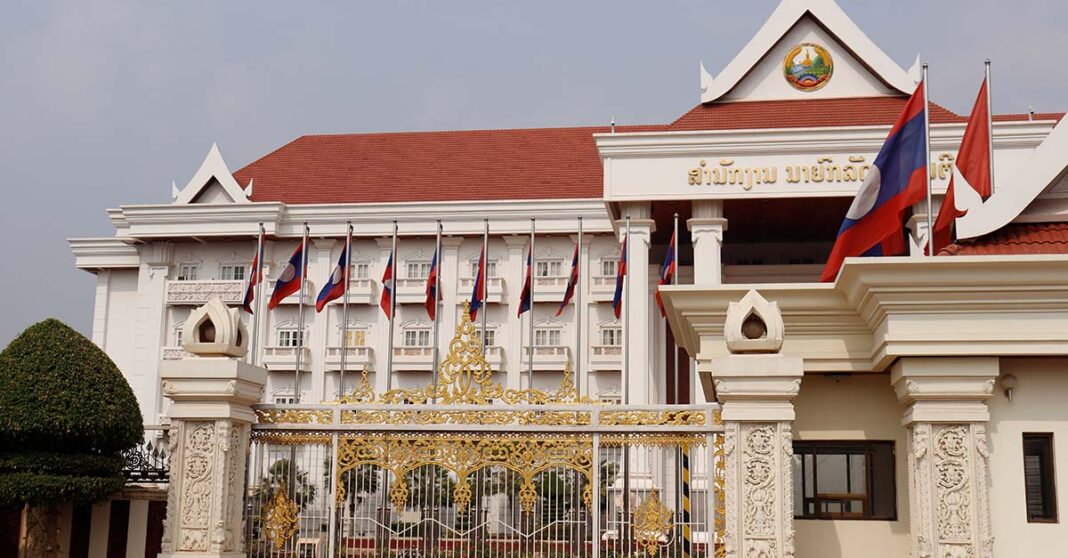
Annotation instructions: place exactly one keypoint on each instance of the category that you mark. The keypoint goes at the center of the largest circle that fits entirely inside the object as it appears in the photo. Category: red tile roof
(852, 111)
(1020, 238)
(543, 163)
(539, 163)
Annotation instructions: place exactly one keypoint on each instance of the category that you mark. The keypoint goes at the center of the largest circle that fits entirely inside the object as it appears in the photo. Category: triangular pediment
(213, 183)
(808, 49)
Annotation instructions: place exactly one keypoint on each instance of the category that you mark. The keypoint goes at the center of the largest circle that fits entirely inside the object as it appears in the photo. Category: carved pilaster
(949, 496)
(211, 417)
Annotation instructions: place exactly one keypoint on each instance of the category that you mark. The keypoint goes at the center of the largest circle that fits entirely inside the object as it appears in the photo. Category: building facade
(950, 367)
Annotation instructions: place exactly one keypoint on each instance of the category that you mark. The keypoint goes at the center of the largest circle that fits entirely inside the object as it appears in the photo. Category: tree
(66, 416)
(302, 490)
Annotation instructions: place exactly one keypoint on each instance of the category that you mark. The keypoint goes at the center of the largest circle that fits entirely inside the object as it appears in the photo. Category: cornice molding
(881, 309)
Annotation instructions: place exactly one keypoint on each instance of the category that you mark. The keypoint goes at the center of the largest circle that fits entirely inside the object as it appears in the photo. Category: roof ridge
(484, 130)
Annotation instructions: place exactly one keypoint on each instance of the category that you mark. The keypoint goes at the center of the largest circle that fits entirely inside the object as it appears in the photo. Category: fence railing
(150, 461)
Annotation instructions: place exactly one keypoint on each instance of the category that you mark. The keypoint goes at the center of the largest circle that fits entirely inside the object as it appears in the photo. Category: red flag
(621, 272)
(432, 296)
(476, 291)
(667, 273)
(255, 276)
(973, 160)
(387, 289)
(572, 280)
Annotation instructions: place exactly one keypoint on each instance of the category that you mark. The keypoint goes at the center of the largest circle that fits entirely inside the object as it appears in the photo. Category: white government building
(930, 393)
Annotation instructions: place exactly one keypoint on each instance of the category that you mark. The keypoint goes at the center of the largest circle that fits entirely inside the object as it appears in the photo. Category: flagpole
(533, 266)
(927, 161)
(626, 314)
(675, 281)
(300, 311)
(256, 276)
(262, 255)
(437, 309)
(392, 307)
(485, 280)
(626, 377)
(989, 125)
(578, 315)
(345, 309)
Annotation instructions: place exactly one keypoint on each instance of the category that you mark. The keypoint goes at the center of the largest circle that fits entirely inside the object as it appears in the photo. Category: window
(548, 269)
(231, 272)
(491, 269)
(844, 480)
(547, 337)
(178, 335)
(491, 337)
(284, 399)
(609, 267)
(289, 338)
(360, 271)
(418, 270)
(1039, 486)
(417, 338)
(612, 336)
(188, 271)
(355, 338)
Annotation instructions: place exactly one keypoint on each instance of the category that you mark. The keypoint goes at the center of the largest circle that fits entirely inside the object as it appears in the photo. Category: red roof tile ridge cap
(485, 130)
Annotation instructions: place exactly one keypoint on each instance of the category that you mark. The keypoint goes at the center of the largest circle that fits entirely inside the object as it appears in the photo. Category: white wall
(1039, 404)
(855, 407)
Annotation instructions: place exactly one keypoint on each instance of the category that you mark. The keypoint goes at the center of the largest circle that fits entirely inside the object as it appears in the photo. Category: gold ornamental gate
(466, 468)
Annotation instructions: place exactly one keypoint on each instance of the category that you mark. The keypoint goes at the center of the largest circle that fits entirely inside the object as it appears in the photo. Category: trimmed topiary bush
(66, 415)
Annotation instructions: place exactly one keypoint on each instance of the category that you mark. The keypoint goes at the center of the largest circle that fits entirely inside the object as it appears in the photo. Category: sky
(105, 103)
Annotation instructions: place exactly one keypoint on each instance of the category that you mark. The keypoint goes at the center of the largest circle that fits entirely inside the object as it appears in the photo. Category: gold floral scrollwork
(719, 481)
(398, 493)
(653, 418)
(280, 520)
(527, 496)
(652, 522)
(461, 496)
(294, 416)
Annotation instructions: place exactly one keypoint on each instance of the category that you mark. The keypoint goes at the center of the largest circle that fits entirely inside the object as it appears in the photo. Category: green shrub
(66, 414)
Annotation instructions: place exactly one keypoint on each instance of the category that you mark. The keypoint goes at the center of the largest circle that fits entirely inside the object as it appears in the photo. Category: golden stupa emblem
(808, 67)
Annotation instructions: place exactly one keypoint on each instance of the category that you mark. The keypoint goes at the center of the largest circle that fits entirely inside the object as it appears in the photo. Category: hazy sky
(106, 102)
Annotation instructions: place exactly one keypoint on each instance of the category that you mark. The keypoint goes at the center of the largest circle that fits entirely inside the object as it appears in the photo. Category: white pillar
(381, 322)
(706, 229)
(99, 523)
(640, 336)
(211, 417)
(321, 263)
(515, 330)
(150, 319)
(948, 455)
(137, 529)
(756, 385)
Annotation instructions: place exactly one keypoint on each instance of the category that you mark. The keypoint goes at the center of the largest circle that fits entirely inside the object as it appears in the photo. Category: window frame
(360, 270)
(1048, 465)
(421, 269)
(814, 447)
(181, 274)
(612, 331)
(234, 269)
(551, 268)
(609, 267)
(296, 338)
(418, 333)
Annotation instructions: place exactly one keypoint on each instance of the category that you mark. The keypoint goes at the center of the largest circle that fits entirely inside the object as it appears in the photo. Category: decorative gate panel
(467, 468)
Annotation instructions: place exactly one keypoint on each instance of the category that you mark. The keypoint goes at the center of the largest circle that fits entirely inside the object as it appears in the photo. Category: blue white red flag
(432, 296)
(524, 297)
(480, 280)
(387, 289)
(621, 272)
(667, 272)
(897, 180)
(571, 282)
(255, 275)
(290, 279)
(337, 285)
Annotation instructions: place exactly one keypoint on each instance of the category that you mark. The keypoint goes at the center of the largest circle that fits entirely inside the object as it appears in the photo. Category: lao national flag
(896, 181)
(290, 279)
(255, 276)
(337, 285)
(524, 297)
(387, 289)
(621, 272)
(432, 296)
(667, 272)
(571, 282)
(480, 279)
(973, 162)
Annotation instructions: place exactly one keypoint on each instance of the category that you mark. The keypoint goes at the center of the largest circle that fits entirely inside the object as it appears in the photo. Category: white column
(151, 322)
(137, 529)
(639, 339)
(514, 330)
(706, 229)
(584, 333)
(948, 455)
(450, 286)
(99, 522)
(100, 308)
(381, 321)
(321, 261)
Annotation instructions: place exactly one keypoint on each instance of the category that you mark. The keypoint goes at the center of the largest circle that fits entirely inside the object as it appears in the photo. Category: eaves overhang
(880, 309)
